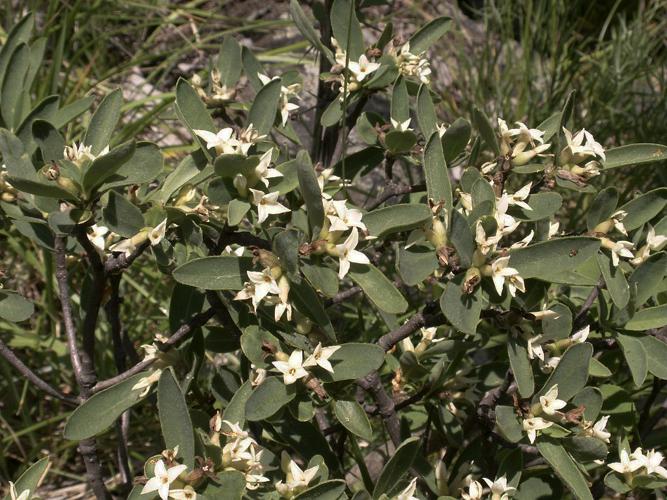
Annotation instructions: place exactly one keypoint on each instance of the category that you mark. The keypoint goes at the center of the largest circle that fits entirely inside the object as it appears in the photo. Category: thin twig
(342, 296)
(180, 334)
(372, 383)
(121, 261)
(580, 319)
(12, 359)
(392, 190)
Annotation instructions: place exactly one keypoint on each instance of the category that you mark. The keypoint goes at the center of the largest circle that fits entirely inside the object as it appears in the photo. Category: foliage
(489, 323)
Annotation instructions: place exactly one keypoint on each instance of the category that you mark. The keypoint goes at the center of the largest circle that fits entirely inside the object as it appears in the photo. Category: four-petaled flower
(263, 283)
(401, 126)
(347, 253)
(296, 479)
(363, 68)
(320, 357)
(344, 217)
(408, 492)
(223, 141)
(292, 369)
(475, 491)
(627, 464)
(598, 429)
(501, 273)
(550, 402)
(267, 204)
(97, 236)
(533, 424)
(162, 479)
(499, 488)
(263, 171)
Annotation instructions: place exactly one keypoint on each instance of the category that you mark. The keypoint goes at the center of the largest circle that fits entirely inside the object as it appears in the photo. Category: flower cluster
(294, 367)
(240, 452)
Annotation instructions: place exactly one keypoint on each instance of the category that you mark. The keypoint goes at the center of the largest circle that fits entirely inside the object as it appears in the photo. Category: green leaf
(565, 468)
(71, 111)
(643, 208)
(559, 327)
(103, 122)
(648, 276)
(462, 310)
(462, 238)
(561, 254)
(397, 466)
(192, 112)
(438, 186)
(332, 114)
(428, 34)
(236, 210)
(229, 61)
(175, 419)
(310, 190)
(99, 412)
(45, 110)
(615, 281)
(346, 28)
(517, 352)
(11, 94)
(398, 142)
(305, 26)
(571, 373)
(14, 307)
(121, 216)
(228, 485)
(485, 129)
(455, 139)
(104, 167)
(396, 218)
(602, 207)
(597, 369)
(378, 288)
(33, 186)
(144, 166)
(253, 342)
(416, 263)
(262, 113)
(543, 205)
(508, 423)
(656, 352)
(426, 116)
(327, 490)
(307, 302)
(550, 126)
(353, 417)
(651, 317)
(235, 410)
(214, 273)
(591, 399)
(32, 478)
(634, 154)
(586, 448)
(49, 140)
(289, 181)
(400, 101)
(286, 247)
(20, 33)
(354, 360)
(184, 303)
(635, 356)
(267, 398)
(322, 278)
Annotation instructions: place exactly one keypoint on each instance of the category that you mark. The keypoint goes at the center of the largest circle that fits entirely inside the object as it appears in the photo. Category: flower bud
(241, 184)
(471, 280)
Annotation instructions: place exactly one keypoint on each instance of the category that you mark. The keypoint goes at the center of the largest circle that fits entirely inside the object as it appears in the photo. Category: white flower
(621, 249)
(345, 218)
(524, 242)
(484, 243)
(441, 128)
(263, 284)
(326, 176)
(598, 429)
(499, 487)
(553, 229)
(238, 251)
(347, 253)
(519, 197)
(363, 68)
(156, 235)
(501, 273)
(401, 126)
(655, 242)
(187, 493)
(408, 492)
(223, 141)
(533, 424)
(475, 491)
(247, 137)
(267, 204)
(126, 246)
(263, 171)
(580, 336)
(549, 363)
(534, 348)
(162, 479)
(626, 464)
(145, 383)
(292, 369)
(525, 134)
(25, 494)
(550, 402)
(97, 236)
(576, 151)
(235, 430)
(652, 463)
(320, 357)
(296, 479)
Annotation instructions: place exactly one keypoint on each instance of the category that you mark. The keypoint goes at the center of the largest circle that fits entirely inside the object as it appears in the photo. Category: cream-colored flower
(292, 369)
(408, 492)
(267, 204)
(550, 403)
(599, 429)
(499, 488)
(223, 141)
(157, 234)
(502, 274)
(346, 253)
(320, 357)
(533, 424)
(345, 218)
(580, 336)
(621, 249)
(362, 68)
(652, 462)
(627, 464)
(401, 126)
(296, 479)
(97, 236)
(145, 383)
(187, 493)
(14, 495)
(263, 284)
(534, 348)
(519, 197)
(475, 491)
(162, 479)
(263, 171)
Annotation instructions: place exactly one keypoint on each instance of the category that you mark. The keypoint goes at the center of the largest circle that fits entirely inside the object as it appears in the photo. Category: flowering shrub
(455, 334)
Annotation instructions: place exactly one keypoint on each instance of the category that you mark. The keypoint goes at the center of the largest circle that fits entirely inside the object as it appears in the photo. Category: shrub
(443, 336)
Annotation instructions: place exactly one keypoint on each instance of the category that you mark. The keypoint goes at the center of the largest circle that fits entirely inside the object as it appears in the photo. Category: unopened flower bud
(471, 280)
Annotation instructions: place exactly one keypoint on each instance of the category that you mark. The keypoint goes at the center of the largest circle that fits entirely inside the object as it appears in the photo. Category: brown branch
(12, 359)
(392, 190)
(418, 321)
(121, 261)
(342, 296)
(179, 335)
(580, 318)
(372, 383)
